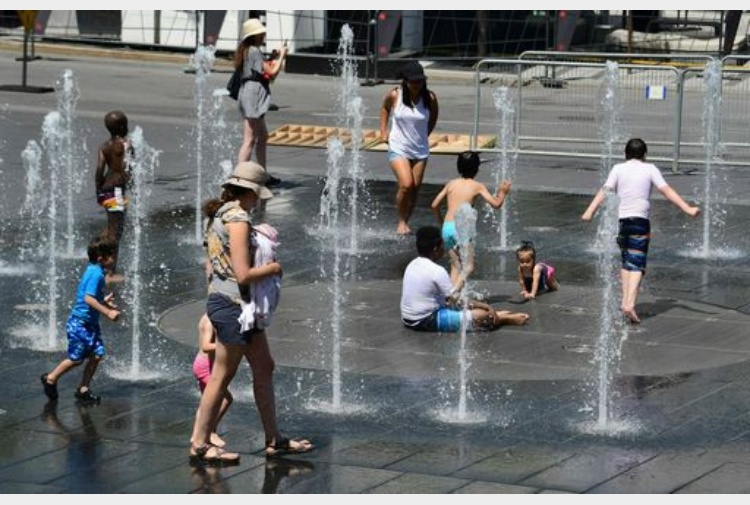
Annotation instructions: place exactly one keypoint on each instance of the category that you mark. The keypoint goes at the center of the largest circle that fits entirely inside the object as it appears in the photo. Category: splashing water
(142, 166)
(612, 331)
(41, 238)
(202, 62)
(504, 100)
(70, 155)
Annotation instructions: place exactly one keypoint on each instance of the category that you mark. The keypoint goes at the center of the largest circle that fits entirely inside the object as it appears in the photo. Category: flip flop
(220, 457)
(284, 446)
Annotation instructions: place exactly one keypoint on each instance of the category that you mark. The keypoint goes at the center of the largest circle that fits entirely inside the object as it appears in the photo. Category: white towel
(264, 295)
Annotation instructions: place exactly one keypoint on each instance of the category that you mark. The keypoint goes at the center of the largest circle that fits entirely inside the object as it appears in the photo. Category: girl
(254, 99)
(415, 112)
(532, 276)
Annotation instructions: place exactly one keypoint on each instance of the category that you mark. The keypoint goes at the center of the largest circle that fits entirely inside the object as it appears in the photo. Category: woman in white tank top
(413, 110)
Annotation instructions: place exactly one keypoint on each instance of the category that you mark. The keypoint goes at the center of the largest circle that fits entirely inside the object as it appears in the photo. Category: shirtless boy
(112, 175)
(463, 191)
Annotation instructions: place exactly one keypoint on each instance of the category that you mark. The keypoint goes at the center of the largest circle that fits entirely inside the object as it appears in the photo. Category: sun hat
(413, 71)
(250, 175)
(251, 27)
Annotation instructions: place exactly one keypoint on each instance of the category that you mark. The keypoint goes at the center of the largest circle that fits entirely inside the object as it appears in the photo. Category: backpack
(234, 84)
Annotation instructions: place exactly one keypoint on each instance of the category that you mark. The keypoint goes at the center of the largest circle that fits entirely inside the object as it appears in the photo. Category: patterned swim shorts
(633, 239)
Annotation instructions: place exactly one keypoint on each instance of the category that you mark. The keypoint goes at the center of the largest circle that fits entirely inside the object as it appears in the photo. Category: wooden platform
(296, 135)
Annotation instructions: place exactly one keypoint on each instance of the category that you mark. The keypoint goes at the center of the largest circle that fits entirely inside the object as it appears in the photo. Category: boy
(632, 181)
(459, 191)
(112, 175)
(84, 333)
(426, 300)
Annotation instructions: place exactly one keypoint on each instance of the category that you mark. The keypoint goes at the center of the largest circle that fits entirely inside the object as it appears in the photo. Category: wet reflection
(82, 443)
(279, 468)
(209, 480)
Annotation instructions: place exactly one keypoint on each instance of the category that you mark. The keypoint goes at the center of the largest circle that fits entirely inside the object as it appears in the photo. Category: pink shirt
(632, 182)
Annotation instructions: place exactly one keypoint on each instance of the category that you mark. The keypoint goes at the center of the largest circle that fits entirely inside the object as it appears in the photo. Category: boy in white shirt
(427, 302)
(632, 181)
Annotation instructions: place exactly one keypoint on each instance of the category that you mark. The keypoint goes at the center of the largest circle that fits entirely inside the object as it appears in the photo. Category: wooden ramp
(296, 135)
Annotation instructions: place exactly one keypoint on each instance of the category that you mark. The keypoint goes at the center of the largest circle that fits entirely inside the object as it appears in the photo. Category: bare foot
(514, 318)
(216, 440)
(631, 315)
(403, 229)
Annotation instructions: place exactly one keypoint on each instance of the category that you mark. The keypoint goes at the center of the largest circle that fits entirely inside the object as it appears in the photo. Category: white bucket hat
(251, 27)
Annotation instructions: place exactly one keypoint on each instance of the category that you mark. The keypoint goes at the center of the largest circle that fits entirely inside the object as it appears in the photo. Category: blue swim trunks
(84, 339)
(633, 239)
(450, 239)
(443, 320)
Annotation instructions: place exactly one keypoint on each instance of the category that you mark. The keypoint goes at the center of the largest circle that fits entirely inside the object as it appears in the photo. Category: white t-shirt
(425, 287)
(408, 136)
(632, 182)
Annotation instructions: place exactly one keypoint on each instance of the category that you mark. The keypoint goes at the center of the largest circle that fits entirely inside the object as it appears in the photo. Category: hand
(113, 314)
(505, 186)
(384, 137)
(587, 216)
(693, 211)
(109, 299)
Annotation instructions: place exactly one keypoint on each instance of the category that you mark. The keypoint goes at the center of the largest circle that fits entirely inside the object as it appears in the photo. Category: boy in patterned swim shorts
(632, 182)
(84, 334)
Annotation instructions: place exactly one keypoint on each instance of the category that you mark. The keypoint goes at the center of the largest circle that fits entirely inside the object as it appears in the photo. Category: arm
(239, 234)
(385, 112)
(106, 308)
(101, 164)
(207, 335)
(536, 275)
(595, 203)
(273, 67)
(671, 195)
(434, 112)
(496, 201)
(521, 282)
(437, 203)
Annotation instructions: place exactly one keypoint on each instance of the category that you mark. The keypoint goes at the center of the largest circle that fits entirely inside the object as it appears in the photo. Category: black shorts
(224, 315)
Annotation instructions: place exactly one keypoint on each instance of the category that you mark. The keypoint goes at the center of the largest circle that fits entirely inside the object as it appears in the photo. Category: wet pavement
(403, 415)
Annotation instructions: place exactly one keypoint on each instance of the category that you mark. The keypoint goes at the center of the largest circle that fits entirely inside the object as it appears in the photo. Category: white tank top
(408, 135)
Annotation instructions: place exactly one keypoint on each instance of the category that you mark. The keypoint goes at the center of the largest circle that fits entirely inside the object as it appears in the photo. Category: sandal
(284, 446)
(219, 457)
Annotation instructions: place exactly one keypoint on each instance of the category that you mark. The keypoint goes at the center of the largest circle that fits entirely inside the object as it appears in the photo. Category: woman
(228, 239)
(415, 112)
(255, 94)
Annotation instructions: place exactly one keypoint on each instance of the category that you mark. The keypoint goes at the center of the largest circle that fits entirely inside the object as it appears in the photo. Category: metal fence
(559, 104)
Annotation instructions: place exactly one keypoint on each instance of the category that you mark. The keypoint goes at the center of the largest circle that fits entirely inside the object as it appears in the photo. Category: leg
(262, 365)
(64, 367)
(261, 142)
(631, 280)
(88, 372)
(504, 317)
(455, 266)
(468, 268)
(251, 130)
(405, 179)
(227, 359)
(417, 171)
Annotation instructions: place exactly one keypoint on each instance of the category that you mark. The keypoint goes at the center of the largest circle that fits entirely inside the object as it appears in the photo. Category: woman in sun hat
(255, 94)
(413, 111)
(228, 234)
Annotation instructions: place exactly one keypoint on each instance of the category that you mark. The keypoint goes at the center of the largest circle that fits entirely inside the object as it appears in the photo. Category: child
(264, 294)
(84, 333)
(459, 191)
(112, 174)
(632, 181)
(428, 299)
(534, 277)
(202, 366)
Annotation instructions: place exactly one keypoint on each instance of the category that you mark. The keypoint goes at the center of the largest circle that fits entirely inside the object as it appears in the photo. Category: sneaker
(272, 181)
(87, 396)
(49, 389)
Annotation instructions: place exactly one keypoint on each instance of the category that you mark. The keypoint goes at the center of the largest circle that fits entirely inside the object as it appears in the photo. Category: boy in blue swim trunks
(460, 191)
(426, 300)
(84, 333)
(632, 181)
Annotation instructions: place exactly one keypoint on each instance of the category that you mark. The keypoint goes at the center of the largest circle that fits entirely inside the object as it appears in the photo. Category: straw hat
(250, 175)
(251, 27)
